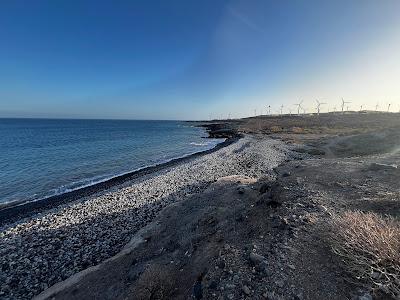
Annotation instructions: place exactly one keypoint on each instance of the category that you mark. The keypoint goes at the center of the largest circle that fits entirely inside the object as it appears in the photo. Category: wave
(87, 182)
(200, 144)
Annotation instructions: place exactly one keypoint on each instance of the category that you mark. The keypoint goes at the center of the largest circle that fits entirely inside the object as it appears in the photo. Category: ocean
(46, 157)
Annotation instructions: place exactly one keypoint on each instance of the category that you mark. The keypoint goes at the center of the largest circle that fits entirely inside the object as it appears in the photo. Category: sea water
(45, 157)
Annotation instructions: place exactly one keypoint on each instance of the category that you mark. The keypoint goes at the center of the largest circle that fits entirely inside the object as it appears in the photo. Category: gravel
(49, 247)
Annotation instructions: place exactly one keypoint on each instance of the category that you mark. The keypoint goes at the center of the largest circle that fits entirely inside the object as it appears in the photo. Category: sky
(182, 59)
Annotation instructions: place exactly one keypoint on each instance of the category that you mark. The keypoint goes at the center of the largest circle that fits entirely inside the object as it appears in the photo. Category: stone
(264, 188)
(246, 290)
(256, 258)
(272, 197)
(240, 190)
(365, 296)
(279, 283)
(221, 264)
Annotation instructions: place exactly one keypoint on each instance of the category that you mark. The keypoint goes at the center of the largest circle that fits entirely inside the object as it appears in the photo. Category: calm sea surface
(41, 158)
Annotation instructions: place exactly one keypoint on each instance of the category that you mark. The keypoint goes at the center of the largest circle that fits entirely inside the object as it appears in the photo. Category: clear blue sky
(194, 59)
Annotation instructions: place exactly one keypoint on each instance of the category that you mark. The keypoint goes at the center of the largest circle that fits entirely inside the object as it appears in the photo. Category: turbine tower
(299, 106)
(376, 106)
(319, 106)
(281, 109)
(343, 103)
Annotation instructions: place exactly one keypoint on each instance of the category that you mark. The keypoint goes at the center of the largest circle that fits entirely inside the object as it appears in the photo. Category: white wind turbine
(299, 107)
(343, 103)
(319, 106)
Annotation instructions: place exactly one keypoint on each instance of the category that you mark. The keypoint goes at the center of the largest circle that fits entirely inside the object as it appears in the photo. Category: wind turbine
(343, 103)
(299, 106)
(281, 109)
(376, 106)
(389, 107)
(319, 106)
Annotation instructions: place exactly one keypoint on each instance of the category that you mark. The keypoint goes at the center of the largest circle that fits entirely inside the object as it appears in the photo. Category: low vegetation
(369, 246)
(156, 282)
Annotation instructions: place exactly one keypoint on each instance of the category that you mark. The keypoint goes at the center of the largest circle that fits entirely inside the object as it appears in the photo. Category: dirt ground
(265, 239)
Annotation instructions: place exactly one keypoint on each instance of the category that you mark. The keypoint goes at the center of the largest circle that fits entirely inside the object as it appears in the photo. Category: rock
(365, 296)
(221, 264)
(279, 283)
(264, 188)
(246, 290)
(264, 268)
(272, 197)
(270, 296)
(256, 258)
(240, 190)
(299, 296)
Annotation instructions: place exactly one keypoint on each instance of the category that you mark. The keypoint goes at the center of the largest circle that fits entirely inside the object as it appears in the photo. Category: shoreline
(60, 242)
(208, 215)
(17, 210)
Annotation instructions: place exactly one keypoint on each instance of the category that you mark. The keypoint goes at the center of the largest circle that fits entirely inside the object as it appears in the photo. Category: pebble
(246, 290)
(256, 258)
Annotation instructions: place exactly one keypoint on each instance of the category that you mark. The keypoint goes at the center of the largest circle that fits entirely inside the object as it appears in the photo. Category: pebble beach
(50, 246)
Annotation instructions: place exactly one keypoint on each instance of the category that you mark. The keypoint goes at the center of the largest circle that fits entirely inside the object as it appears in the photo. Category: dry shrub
(297, 130)
(156, 282)
(276, 129)
(369, 246)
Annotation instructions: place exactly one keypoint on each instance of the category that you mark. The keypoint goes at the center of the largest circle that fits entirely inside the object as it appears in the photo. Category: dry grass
(275, 129)
(297, 130)
(156, 282)
(369, 246)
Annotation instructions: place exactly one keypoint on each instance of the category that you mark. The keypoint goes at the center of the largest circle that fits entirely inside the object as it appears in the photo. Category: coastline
(57, 243)
(272, 195)
(13, 211)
